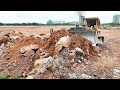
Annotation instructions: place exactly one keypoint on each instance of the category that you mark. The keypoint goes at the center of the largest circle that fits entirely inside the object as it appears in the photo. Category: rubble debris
(38, 63)
(4, 39)
(69, 49)
(69, 62)
(57, 67)
(63, 42)
(84, 76)
(73, 41)
(42, 36)
(54, 38)
(28, 53)
(13, 38)
(116, 73)
(46, 57)
(72, 56)
(72, 76)
(29, 47)
(82, 43)
(29, 42)
(59, 33)
(29, 77)
(19, 63)
(116, 70)
(74, 65)
(43, 64)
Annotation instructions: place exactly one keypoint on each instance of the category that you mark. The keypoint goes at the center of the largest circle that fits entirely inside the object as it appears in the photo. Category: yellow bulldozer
(90, 30)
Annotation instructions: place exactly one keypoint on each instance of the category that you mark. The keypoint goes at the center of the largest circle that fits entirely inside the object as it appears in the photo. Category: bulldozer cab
(92, 24)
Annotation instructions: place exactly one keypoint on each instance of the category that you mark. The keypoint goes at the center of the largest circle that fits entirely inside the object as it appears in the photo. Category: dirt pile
(67, 60)
(54, 38)
(64, 49)
(75, 41)
(58, 67)
(9, 36)
(84, 44)
(16, 63)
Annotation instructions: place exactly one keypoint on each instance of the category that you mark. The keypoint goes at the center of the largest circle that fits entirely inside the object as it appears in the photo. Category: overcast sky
(44, 16)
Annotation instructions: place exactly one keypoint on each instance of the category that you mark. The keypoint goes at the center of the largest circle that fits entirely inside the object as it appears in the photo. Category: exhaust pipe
(51, 30)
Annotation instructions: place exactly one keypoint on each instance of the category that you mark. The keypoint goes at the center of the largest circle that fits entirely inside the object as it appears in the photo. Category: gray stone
(116, 70)
(72, 76)
(84, 76)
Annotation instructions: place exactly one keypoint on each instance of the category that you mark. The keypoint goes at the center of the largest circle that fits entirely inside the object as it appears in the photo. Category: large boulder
(38, 65)
(63, 42)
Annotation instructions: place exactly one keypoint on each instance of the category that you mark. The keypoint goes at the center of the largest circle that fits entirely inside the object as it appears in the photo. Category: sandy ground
(32, 29)
(111, 47)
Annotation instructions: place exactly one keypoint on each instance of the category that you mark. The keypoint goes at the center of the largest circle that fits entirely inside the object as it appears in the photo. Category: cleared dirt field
(108, 63)
(33, 29)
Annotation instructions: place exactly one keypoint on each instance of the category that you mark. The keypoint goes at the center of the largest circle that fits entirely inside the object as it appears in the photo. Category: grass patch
(12, 77)
(15, 77)
(3, 76)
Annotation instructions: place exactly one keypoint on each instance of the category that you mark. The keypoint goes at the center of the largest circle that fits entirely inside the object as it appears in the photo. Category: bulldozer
(89, 30)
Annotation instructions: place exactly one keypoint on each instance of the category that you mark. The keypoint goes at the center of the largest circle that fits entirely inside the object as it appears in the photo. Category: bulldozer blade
(88, 34)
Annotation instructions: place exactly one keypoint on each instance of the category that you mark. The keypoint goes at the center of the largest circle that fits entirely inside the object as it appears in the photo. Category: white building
(81, 19)
(116, 18)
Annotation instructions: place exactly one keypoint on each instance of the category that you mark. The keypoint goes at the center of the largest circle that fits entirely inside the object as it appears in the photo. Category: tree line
(32, 24)
(112, 24)
(48, 24)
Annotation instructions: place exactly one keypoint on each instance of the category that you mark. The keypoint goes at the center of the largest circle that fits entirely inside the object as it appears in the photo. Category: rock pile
(38, 56)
